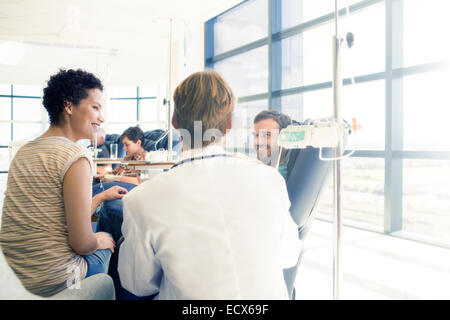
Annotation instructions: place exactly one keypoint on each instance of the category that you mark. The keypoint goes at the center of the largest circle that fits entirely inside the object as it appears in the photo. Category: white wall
(39, 61)
(122, 42)
(150, 65)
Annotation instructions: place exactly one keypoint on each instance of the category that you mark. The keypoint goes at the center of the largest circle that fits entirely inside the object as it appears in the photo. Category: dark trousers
(110, 213)
(121, 293)
(110, 218)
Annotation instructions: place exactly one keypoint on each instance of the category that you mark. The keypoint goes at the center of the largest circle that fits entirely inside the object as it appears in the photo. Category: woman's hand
(115, 192)
(105, 241)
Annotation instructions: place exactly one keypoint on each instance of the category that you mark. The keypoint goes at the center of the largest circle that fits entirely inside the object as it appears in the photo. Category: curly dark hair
(67, 86)
(134, 134)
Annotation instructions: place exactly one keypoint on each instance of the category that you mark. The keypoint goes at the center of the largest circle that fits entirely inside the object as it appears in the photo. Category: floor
(375, 266)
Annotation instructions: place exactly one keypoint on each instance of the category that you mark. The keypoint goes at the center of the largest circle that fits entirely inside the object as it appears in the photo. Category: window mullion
(393, 190)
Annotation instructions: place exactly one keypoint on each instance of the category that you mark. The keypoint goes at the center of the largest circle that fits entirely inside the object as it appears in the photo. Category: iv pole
(169, 126)
(337, 174)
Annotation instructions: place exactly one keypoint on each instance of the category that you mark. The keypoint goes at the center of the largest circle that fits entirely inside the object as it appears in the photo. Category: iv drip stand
(337, 174)
(169, 111)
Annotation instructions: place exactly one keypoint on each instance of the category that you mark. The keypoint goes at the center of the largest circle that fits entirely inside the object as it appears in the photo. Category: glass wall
(247, 73)
(239, 26)
(426, 198)
(278, 54)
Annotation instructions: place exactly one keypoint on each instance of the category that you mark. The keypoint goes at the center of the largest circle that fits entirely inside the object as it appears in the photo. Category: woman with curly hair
(46, 234)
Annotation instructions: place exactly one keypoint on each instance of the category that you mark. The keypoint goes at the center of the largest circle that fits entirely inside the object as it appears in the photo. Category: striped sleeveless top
(34, 237)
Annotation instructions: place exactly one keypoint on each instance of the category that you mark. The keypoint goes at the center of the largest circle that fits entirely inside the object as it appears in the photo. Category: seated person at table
(133, 141)
(110, 213)
(46, 233)
(214, 226)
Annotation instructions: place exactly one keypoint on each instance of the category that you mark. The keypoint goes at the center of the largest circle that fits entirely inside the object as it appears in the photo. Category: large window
(21, 117)
(239, 26)
(278, 54)
(247, 73)
(130, 106)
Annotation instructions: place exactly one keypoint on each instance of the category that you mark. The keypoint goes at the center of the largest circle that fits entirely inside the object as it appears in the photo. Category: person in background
(110, 213)
(201, 230)
(46, 234)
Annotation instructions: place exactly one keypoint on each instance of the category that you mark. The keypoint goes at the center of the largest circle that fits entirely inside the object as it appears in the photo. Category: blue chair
(158, 139)
(154, 140)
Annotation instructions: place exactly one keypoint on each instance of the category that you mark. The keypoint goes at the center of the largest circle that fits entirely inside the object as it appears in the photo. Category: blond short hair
(203, 96)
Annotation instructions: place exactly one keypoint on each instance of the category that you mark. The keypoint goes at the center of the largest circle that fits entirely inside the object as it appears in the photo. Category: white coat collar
(206, 151)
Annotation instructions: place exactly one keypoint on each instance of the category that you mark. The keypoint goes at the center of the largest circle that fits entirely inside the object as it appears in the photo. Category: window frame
(393, 152)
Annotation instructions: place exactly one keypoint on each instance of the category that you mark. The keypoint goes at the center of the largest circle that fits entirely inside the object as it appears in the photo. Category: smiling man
(267, 125)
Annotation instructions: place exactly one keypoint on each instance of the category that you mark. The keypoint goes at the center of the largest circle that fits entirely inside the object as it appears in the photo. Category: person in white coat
(213, 226)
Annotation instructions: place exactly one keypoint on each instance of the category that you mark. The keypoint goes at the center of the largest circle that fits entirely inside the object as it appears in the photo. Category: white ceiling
(101, 22)
(132, 35)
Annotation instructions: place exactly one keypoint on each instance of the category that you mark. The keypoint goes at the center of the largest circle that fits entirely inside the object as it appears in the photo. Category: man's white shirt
(212, 228)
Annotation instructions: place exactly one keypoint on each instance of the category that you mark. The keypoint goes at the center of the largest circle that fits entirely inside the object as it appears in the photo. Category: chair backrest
(158, 139)
(154, 140)
(307, 176)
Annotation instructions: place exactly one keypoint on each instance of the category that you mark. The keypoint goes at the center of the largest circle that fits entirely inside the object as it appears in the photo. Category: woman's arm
(96, 201)
(115, 192)
(126, 179)
(78, 207)
(132, 180)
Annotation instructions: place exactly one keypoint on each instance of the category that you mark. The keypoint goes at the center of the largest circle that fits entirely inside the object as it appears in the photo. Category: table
(147, 168)
(135, 164)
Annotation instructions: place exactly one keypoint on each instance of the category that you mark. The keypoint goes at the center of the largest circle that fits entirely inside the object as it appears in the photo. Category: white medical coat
(215, 228)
